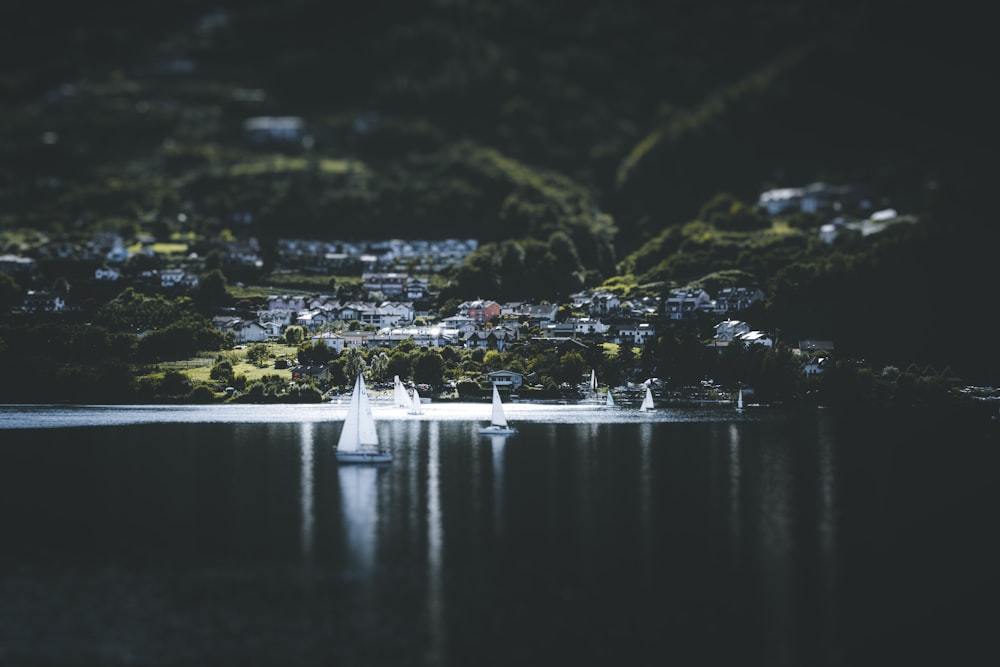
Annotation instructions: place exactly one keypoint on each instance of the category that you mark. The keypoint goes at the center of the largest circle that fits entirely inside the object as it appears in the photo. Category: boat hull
(497, 430)
(364, 457)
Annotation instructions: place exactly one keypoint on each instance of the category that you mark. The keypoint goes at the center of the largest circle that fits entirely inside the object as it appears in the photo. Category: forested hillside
(578, 139)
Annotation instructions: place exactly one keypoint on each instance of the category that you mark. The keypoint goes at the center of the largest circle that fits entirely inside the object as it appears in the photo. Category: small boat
(415, 408)
(401, 398)
(498, 420)
(647, 402)
(609, 400)
(739, 400)
(592, 391)
(358, 440)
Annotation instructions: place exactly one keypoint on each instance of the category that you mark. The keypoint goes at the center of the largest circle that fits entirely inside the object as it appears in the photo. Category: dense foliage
(583, 143)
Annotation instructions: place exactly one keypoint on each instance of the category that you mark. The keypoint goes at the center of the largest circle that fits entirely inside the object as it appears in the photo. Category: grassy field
(198, 368)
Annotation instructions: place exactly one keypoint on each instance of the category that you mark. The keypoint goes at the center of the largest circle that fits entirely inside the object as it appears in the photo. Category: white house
(250, 331)
(639, 333)
(333, 341)
(108, 273)
(727, 330)
(754, 338)
(505, 378)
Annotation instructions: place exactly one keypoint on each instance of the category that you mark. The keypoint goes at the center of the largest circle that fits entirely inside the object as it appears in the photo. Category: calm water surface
(229, 535)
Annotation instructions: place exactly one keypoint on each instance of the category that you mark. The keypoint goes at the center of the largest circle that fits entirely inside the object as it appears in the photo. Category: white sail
(739, 400)
(415, 408)
(498, 418)
(647, 402)
(359, 425)
(593, 381)
(401, 398)
(609, 400)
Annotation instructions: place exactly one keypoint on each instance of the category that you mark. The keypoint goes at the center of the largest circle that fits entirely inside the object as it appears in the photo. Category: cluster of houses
(488, 324)
(359, 257)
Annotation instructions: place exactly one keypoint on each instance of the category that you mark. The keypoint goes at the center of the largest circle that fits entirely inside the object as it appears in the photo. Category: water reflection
(306, 491)
(776, 552)
(827, 526)
(497, 443)
(735, 524)
(358, 490)
(646, 498)
(435, 540)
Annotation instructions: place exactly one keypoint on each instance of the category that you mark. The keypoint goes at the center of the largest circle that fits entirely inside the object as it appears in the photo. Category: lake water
(229, 535)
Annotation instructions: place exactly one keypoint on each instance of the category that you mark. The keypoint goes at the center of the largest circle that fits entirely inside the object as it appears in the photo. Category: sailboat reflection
(360, 508)
(435, 543)
(497, 443)
(306, 452)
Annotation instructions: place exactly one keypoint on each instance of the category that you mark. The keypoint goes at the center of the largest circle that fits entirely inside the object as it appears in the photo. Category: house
(286, 302)
(171, 278)
(683, 304)
(813, 345)
(638, 333)
(480, 311)
(815, 366)
(416, 288)
(605, 303)
(274, 129)
(460, 323)
(491, 339)
(14, 265)
(356, 338)
(813, 198)
(43, 302)
(251, 331)
(734, 299)
(331, 340)
(585, 326)
(754, 338)
(559, 330)
(389, 284)
(108, 273)
(727, 330)
(318, 373)
(539, 314)
(244, 331)
(505, 378)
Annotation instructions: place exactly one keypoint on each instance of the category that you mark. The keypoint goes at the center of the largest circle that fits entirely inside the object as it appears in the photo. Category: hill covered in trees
(588, 138)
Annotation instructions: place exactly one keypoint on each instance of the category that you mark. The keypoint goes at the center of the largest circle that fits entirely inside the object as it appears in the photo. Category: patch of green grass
(199, 367)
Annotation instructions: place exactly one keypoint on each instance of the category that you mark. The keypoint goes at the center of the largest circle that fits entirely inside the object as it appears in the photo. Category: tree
(571, 367)
(428, 368)
(354, 363)
(625, 359)
(222, 371)
(294, 334)
(10, 292)
(492, 360)
(379, 366)
(212, 291)
(258, 354)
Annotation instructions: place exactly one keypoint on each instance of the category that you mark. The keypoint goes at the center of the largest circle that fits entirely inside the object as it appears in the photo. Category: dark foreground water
(230, 536)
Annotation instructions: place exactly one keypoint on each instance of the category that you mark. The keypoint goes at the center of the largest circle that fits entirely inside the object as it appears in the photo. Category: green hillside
(578, 140)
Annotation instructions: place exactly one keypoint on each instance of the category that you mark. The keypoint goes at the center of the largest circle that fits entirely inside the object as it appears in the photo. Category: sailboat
(415, 408)
(401, 398)
(498, 421)
(592, 392)
(739, 400)
(358, 440)
(647, 402)
(609, 400)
